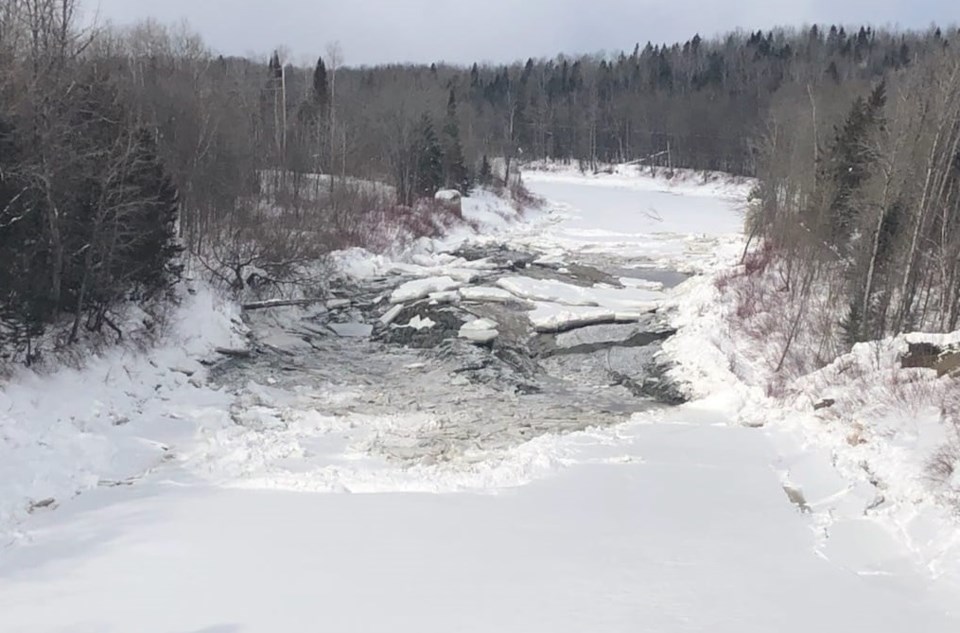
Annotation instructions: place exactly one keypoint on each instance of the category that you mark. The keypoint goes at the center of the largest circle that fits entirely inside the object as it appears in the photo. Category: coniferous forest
(126, 154)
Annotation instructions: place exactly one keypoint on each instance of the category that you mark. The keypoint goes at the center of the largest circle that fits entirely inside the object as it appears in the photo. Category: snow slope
(855, 439)
(280, 512)
(115, 419)
(669, 524)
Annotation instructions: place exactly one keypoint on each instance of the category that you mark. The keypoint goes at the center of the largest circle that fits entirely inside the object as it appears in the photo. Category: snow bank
(877, 426)
(113, 420)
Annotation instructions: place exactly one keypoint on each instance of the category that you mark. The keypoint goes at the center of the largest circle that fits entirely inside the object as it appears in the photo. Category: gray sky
(375, 31)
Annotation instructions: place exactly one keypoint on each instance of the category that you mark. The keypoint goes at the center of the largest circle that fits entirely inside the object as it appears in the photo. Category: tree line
(860, 200)
(87, 210)
(126, 154)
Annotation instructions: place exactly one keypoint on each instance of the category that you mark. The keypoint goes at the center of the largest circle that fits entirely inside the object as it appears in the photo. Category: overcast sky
(463, 31)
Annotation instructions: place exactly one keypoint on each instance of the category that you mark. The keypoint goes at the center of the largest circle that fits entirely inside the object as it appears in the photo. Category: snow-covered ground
(281, 506)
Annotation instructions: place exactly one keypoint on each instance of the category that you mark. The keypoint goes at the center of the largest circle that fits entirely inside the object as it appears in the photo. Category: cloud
(462, 31)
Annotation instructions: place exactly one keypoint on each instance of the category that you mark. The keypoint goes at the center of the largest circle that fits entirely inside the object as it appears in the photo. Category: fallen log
(279, 303)
(235, 353)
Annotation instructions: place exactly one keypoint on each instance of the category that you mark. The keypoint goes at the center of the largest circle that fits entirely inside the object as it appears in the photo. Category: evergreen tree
(149, 260)
(850, 162)
(429, 160)
(455, 175)
(276, 68)
(320, 93)
(485, 176)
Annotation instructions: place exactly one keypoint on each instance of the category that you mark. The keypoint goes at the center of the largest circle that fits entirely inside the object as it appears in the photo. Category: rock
(949, 363)
(824, 404)
(235, 353)
(929, 356)
(797, 498)
(500, 256)
(655, 384)
(42, 505)
(444, 323)
(920, 355)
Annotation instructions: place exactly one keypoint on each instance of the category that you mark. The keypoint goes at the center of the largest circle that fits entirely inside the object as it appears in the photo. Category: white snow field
(676, 521)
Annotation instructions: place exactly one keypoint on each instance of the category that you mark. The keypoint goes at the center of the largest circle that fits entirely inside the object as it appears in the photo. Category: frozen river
(367, 485)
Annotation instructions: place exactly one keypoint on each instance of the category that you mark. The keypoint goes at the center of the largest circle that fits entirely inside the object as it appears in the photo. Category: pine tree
(485, 176)
(455, 175)
(850, 161)
(320, 94)
(429, 160)
(149, 259)
(276, 67)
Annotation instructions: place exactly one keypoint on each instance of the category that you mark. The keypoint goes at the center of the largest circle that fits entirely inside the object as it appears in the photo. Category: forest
(128, 154)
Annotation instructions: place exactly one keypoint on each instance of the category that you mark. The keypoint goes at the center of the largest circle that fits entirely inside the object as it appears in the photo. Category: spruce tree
(149, 259)
(320, 94)
(455, 175)
(429, 160)
(485, 176)
(850, 162)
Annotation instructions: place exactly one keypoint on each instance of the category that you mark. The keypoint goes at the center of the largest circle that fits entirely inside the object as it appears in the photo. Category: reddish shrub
(758, 260)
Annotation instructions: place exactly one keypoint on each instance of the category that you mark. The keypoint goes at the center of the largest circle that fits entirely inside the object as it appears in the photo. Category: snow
(482, 294)
(487, 216)
(553, 317)
(679, 224)
(449, 296)
(352, 330)
(271, 508)
(480, 331)
(391, 315)
(422, 288)
(863, 461)
(448, 195)
(666, 526)
(113, 420)
(550, 291)
(419, 324)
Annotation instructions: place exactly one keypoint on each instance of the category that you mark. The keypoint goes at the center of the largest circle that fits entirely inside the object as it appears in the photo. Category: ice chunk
(486, 294)
(418, 323)
(421, 288)
(392, 314)
(480, 331)
(352, 330)
(553, 317)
